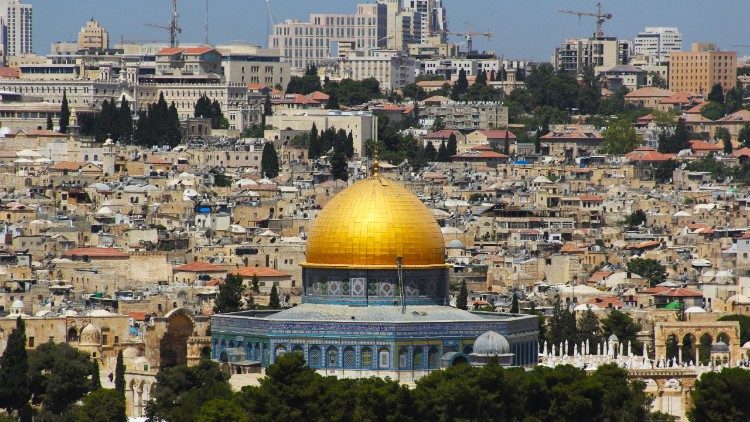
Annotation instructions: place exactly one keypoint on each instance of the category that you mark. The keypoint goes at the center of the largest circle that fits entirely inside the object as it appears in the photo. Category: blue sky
(524, 29)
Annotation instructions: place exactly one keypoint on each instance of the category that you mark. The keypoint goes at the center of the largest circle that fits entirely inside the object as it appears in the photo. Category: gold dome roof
(371, 223)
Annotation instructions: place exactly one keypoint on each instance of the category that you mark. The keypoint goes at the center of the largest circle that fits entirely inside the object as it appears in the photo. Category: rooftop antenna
(205, 24)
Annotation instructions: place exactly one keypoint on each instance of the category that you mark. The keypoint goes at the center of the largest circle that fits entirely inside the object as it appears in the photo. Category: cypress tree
(229, 298)
(339, 170)
(120, 374)
(506, 146)
(452, 146)
(514, 304)
(268, 107)
(64, 113)
(217, 117)
(274, 302)
(462, 300)
(313, 149)
(349, 145)
(125, 118)
(50, 125)
(442, 154)
(430, 152)
(172, 131)
(96, 382)
(269, 163)
(481, 78)
(14, 368)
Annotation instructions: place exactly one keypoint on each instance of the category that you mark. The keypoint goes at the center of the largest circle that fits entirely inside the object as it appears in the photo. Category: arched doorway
(459, 359)
(688, 348)
(704, 349)
(672, 347)
(173, 346)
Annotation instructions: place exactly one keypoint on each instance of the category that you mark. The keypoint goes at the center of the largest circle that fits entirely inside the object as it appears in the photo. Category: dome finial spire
(375, 163)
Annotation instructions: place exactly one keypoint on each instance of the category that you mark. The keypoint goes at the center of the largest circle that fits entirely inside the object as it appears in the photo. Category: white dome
(695, 310)
(746, 345)
(17, 304)
(105, 211)
(491, 343)
(455, 244)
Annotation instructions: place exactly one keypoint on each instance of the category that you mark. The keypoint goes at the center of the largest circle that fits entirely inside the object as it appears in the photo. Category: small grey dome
(455, 244)
(491, 344)
(613, 338)
(720, 347)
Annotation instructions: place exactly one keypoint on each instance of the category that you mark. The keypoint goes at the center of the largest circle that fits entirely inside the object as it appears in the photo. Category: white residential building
(657, 41)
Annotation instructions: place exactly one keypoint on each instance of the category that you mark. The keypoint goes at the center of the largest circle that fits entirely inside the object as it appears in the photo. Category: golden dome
(371, 223)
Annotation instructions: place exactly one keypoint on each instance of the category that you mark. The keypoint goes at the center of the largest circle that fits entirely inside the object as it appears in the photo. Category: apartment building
(699, 69)
(18, 26)
(245, 63)
(469, 115)
(327, 36)
(393, 69)
(580, 54)
(93, 36)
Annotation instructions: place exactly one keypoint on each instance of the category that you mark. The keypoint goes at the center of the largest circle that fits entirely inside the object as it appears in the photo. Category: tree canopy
(229, 298)
(269, 161)
(620, 138)
(721, 396)
(649, 269)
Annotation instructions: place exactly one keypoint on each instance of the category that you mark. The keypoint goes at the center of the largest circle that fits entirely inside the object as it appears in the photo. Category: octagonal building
(375, 297)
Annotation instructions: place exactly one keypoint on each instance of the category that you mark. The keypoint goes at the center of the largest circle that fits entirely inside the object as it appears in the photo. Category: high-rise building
(698, 70)
(93, 36)
(434, 20)
(657, 41)
(18, 22)
(580, 54)
(327, 36)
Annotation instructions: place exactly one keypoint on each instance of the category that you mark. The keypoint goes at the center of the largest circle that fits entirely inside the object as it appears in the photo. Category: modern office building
(699, 69)
(434, 21)
(244, 63)
(657, 41)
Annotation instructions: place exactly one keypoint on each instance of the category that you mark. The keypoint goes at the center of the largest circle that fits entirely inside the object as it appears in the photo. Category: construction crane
(270, 21)
(469, 35)
(740, 45)
(600, 17)
(173, 27)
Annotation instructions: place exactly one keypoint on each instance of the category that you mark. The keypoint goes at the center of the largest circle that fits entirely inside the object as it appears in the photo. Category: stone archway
(173, 345)
(695, 336)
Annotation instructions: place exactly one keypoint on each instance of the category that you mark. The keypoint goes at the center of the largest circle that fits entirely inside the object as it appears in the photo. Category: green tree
(269, 162)
(64, 113)
(430, 152)
(103, 405)
(620, 138)
(181, 391)
(462, 300)
(713, 110)
(744, 321)
(306, 84)
(274, 302)
(96, 382)
(726, 140)
(514, 304)
(636, 218)
(623, 326)
(561, 326)
(676, 142)
(256, 284)
(588, 328)
(120, 374)
(50, 125)
(125, 117)
(218, 121)
(461, 85)
(221, 410)
(58, 376)
(314, 150)
(721, 396)
(452, 145)
(649, 269)
(267, 107)
(716, 94)
(229, 297)
(339, 164)
(481, 78)
(744, 135)
(442, 154)
(438, 124)
(14, 368)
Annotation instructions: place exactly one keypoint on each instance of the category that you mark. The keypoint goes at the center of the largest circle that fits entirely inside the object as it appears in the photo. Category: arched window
(403, 358)
(384, 358)
(366, 358)
(332, 357)
(280, 350)
(417, 361)
(349, 358)
(315, 358)
(297, 349)
(433, 357)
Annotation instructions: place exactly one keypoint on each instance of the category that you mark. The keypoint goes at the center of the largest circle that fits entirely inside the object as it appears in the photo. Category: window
(366, 357)
(332, 357)
(31, 341)
(383, 358)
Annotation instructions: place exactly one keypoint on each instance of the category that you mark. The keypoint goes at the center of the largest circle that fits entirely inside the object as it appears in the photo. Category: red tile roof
(649, 92)
(95, 253)
(591, 198)
(606, 302)
(10, 73)
(645, 154)
(138, 316)
(572, 133)
(441, 134)
(680, 292)
(67, 165)
(200, 267)
(698, 145)
(742, 152)
(258, 271)
(319, 96)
